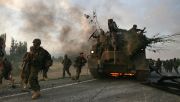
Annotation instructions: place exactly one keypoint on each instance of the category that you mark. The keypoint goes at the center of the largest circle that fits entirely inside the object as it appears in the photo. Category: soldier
(170, 65)
(165, 65)
(1, 60)
(5, 65)
(101, 39)
(6, 71)
(152, 67)
(98, 48)
(159, 65)
(26, 67)
(175, 65)
(79, 63)
(66, 65)
(112, 26)
(38, 62)
(102, 36)
(47, 65)
(134, 29)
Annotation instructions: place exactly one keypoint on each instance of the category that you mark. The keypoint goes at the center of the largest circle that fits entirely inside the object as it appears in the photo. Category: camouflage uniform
(5, 65)
(25, 70)
(170, 65)
(27, 58)
(1, 60)
(37, 63)
(175, 65)
(47, 64)
(165, 65)
(134, 29)
(112, 25)
(151, 65)
(79, 63)
(98, 50)
(66, 65)
(6, 69)
(159, 65)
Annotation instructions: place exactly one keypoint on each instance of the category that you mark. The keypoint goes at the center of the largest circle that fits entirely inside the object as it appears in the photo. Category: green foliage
(17, 50)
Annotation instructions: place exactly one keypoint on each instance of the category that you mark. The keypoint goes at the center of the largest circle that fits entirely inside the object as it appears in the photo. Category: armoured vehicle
(119, 52)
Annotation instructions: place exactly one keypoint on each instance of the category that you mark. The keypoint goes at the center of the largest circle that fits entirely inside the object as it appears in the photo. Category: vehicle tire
(98, 75)
(142, 75)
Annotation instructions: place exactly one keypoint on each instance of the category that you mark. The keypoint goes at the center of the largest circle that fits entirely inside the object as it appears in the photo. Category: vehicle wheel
(142, 75)
(98, 75)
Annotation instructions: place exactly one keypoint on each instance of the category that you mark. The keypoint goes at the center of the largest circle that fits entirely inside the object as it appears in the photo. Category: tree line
(17, 50)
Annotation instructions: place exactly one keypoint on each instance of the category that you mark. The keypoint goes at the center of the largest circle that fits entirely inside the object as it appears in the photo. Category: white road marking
(67, 85)
(19, 94)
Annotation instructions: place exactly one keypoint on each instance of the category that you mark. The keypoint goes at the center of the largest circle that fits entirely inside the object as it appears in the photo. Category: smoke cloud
(38, 18)
(60, 25)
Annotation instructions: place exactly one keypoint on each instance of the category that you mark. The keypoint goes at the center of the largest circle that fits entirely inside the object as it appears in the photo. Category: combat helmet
(37, 41)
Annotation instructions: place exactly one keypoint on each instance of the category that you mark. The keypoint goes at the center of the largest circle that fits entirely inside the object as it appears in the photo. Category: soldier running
(38, 61)
(66, 65)
(79, 63)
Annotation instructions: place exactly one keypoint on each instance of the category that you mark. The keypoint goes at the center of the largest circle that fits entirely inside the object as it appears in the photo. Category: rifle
(92, 35)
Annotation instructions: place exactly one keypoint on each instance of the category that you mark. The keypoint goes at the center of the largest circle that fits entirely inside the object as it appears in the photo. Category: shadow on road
(169, 85)
(165, 83)
(173, 88)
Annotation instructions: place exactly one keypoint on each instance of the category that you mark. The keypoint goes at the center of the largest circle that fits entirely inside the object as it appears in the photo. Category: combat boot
(35, 94)
(25, 87)
(45, 78)
(73, 78)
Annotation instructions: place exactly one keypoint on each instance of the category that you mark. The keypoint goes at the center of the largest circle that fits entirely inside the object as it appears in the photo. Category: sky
(61, 25)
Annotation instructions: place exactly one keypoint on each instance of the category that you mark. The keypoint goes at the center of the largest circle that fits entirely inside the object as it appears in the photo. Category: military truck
(119, 52)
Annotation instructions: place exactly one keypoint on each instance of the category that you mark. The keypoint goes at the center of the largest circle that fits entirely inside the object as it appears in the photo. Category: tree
(17, 50)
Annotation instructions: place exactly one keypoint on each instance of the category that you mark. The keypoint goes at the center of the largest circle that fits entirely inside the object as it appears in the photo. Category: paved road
(91, 90)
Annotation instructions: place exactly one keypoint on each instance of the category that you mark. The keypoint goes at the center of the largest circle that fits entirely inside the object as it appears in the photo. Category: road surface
(92, 90)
